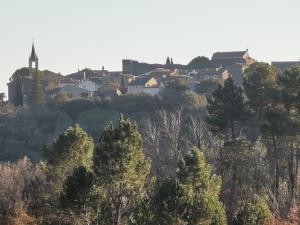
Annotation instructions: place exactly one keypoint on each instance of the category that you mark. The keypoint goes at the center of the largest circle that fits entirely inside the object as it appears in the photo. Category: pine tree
(263, 92)
(72, 149)
(225, 108)
(121, 169)
(78, 197)
(193, 197)
(254, 211)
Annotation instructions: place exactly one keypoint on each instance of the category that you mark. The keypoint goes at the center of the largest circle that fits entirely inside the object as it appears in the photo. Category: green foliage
(260, 85)
(121, 169)
(178, 84)
(78, 196)
(255, 211)
(226, 107)
(193, 197)
(208, 86)
(245, 162)
(94, 120)
(23, 72)
(289, 83)
(72, 149)
(200, 62)
(37, 95)
(264, 98)
(168, 61)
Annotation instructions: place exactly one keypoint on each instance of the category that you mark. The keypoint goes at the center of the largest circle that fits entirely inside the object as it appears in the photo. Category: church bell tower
(33, 59)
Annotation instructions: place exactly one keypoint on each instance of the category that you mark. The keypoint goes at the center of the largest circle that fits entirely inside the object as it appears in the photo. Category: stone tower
(33, 58)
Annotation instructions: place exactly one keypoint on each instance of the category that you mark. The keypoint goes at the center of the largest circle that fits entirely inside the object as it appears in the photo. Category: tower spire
(33, 58)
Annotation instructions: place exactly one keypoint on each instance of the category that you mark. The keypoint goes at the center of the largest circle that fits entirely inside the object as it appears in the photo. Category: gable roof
(229, 55)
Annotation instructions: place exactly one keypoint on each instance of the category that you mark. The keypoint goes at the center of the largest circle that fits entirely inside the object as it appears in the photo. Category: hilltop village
(135, 77)
(213, 142)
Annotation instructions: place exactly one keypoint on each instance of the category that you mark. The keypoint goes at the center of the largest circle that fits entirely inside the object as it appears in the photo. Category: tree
(290, 93)
(254, 211)
(263, 92)
(199, 62)
(260, 86)
(193, 197)
(208, 86)
(19, 201)
(243, 168)
(121, 169)
(72, 149)
(226, 108)
(37, 95)
(178, 84)
(78, 197)
(2, 98)
(168, 62)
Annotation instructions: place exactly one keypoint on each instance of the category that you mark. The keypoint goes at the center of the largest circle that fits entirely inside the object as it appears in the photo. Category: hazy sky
(72, 34)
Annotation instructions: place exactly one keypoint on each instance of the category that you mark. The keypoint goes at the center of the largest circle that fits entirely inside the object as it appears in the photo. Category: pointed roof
(33, 55)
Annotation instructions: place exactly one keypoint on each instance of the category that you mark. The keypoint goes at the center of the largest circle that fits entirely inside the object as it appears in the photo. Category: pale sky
(72, 34)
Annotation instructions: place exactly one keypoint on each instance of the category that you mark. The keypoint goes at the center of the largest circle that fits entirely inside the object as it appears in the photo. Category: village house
(148, 85)
(210, 73)
(73, 91)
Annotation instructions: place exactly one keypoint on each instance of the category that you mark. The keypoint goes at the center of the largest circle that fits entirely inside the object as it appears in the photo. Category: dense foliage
(107, 169)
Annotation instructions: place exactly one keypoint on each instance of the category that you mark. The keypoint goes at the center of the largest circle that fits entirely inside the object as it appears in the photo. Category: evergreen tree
(199, 62)
(264, 99)
(37, 95)
(225, 108)
(72, 149)
(255, 211)
(121, 170)
(289, 83)
(78, 197)
(193, 197)
(260, 85)
(168, 62)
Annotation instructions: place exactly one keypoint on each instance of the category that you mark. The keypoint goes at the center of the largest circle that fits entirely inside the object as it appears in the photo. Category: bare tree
(201, 136)
(152, 134)
(171, 124)
(16, 185)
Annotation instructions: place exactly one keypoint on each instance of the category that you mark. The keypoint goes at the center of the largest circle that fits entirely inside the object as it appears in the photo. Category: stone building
(146, 85)
(235, 62)
(225, 59)
(21, 83)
